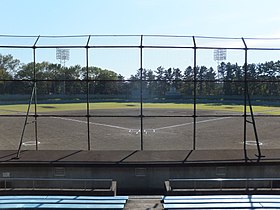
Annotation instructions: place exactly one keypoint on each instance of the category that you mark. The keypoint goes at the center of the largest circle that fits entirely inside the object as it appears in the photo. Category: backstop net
(139, 92)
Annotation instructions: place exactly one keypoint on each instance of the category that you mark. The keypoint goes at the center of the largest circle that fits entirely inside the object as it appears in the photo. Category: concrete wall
(142, 179)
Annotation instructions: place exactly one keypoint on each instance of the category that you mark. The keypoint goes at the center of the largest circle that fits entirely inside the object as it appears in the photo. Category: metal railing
(56, 184)
(223, 184)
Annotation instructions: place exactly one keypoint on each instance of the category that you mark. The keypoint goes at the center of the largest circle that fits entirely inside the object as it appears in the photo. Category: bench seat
(221, 202)
(63, 202)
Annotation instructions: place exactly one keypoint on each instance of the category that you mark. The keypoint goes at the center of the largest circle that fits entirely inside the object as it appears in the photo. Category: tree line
(17, 77)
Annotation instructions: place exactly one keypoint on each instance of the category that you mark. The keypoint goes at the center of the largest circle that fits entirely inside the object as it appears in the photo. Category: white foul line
(100, 124)
(190, 123)
(155, 129)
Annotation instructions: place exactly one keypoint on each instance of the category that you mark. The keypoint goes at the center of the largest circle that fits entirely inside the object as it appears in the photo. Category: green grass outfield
(22, 108)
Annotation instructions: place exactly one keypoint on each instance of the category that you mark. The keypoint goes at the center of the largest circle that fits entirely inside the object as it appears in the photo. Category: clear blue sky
(231, 18)
(181, 17)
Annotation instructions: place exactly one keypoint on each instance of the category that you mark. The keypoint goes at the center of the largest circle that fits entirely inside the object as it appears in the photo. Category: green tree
(8, 67)
(178, 77)
(41, 72)
(210, 85)
(188, 78)
(201, 77)
(102, 81)
(162, 87)
(149, 86)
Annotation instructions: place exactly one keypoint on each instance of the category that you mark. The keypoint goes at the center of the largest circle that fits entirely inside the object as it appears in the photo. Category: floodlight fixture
(62, 55)
(220, 55)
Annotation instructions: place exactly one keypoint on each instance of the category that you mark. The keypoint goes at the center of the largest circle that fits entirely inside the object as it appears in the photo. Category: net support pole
(35, 94)
(25, 123)
(253, 122)
(245, 101)
(87, 82)
(194, 92)
(141, 94)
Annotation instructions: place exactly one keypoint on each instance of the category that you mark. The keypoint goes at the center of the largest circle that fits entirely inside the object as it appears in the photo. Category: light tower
(63, 55)
(219, 56)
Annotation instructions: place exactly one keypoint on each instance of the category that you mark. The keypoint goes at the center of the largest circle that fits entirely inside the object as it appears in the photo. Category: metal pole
(87, 81)
(141, 92)
(25, 123)
(255, 128)
(194, 93)
(35, 91)
(248, 100)
(245, 101)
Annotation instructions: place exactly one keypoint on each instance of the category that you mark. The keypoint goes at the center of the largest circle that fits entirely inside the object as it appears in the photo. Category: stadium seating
(63, 202)
(222, 202)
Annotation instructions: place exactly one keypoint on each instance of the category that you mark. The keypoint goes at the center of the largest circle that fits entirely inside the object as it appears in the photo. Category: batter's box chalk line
(252, 143)
(30, 143)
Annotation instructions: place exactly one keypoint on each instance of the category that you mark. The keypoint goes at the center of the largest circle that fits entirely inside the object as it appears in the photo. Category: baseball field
(117, 126)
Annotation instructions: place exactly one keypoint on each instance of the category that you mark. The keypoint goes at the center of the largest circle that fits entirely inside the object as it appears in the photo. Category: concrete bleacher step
(63, 202)
(144, 202)
(222, 202)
